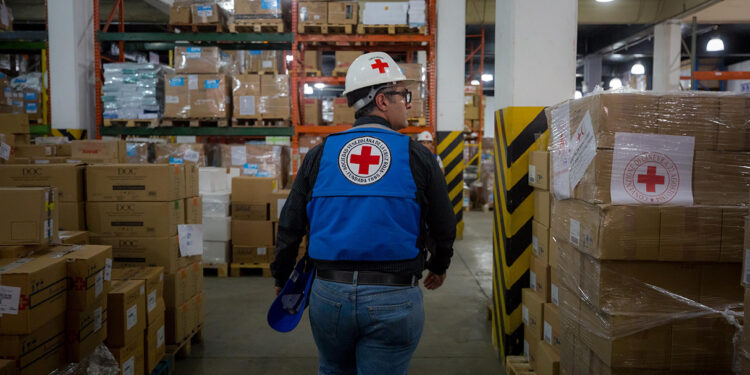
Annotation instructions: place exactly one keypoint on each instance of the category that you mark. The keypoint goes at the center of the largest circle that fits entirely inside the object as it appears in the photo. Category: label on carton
(205, 11)
(280, 206)
(47, 228)
(532, 173)
(29, 96)
(555, 294)
(535, 245)
(261, 251)
(9, 297)
(250, 169)
(247, 105)
(193, 53)
(177, 82)
(211, 83)
(151, 301)
(31, 108)
(131, 149)
(652, 169)
(173, 160)
(97, 319)
(526, 349)
(132, 317)
(575, 232)
(160, 337)
(525, 314)
(108, 269)
(266, 64)
(547, 333)
(560, 134)
(99, 284)
(191, 156)
(239, 157)
(172, 99)
(269, 4)
(128, 368)
(4, 151)
(583, 146)
(191, 239)
(532, 280)
(192, 82)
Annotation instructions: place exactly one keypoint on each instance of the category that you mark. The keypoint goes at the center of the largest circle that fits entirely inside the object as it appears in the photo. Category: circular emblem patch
(651, 177)
(364, 160)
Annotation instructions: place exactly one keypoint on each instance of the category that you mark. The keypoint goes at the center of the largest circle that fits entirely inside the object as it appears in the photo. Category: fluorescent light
(715, 45)
(474, 82)
(289, 58)
(320, 86)
(615, 83)
(487, 77)
(638, 69)
(578, 95)
(604, 1)
(308, 89)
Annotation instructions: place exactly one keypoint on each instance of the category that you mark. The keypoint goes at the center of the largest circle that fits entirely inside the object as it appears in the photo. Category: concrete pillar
(451, 44)
(535, 62)
(71, 58)
(667, 48)
(592, 72)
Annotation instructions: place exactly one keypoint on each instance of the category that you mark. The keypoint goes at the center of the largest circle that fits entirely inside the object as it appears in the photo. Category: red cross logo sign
(379, 66)
(651, 177)
(364, 160)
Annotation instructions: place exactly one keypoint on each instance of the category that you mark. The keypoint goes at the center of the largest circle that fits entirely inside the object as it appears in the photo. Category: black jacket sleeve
(293, 223)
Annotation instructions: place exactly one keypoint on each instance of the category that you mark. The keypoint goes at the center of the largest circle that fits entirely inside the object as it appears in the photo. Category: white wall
(739, 85)
(489, 117)
(451, 41)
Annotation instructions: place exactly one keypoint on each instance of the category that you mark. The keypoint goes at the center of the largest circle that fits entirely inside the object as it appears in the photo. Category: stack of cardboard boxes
(198, 89)
(257, 9)
(263, 96)
(647, 244)
(415, 73)
(471, 107)
(258, 161)
(184, 12)
(743, 348)
(217, 222)
(14, 132)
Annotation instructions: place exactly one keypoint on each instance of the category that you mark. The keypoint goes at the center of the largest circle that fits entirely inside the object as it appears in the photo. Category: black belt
(367, 278)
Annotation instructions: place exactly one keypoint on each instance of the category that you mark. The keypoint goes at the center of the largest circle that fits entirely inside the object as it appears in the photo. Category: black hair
(358, 94)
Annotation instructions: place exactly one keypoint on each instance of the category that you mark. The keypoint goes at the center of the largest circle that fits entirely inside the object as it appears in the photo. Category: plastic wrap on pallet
(216, 252)
(343, 114)
(132, 91)
(23, 94)
(274, 100)
(246, 95)
(216, 204)
(344, 59)
(257, 9)
(99, 362)
(258, 160)
(198, 59)
(180, 153)
(313, 12)
(385, 13)
(197, 96)
(137, 153)
(647, 148)
(265, 61)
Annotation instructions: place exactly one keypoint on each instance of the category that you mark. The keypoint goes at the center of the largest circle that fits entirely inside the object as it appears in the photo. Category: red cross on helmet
(372, 69)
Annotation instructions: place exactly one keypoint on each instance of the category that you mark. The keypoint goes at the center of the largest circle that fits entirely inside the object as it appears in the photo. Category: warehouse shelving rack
(165, 41)
(401, 43)
(471, 142)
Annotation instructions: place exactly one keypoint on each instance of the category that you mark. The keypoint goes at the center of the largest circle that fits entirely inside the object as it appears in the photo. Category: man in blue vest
(371, 199)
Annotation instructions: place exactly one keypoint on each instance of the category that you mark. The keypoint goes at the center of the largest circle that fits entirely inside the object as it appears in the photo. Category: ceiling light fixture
(289, 58)
(615, 83)
(604, 1)
(308, 89)
(487, 77)
(638, 69)
(474, 82)
(578, 95)
(715, 45)
(320, 86)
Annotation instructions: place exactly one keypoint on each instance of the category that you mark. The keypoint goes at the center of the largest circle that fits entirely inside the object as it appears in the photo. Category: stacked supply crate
(214, 190)
(253, 234)
(742, 347)
(256, 16)
(650, 194)
(199, 90)
(258, 161)
(15, 132)
(132, 92)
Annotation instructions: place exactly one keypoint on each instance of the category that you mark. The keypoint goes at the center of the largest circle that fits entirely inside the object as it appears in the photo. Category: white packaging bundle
(216, 204)
(417, 10)
(132, 91)
(213, 180)
(216, 252)
(217, 228)
(385, 13)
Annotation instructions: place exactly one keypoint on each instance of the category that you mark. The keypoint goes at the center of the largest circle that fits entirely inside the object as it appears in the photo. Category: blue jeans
(365, 329)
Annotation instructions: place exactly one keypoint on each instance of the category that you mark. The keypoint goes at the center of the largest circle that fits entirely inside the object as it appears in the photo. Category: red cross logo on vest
(364, 160)
(380, 66)
(651, 179)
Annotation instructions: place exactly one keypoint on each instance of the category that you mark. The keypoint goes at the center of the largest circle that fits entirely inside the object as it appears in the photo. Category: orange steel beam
(717, 76)
(325, 79)
(98, 68)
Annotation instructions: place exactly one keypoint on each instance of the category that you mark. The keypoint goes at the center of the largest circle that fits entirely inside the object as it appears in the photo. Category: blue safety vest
(363, 205)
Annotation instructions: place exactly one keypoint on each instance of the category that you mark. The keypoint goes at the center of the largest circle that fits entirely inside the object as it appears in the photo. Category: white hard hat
(424, 136)
(371, 69)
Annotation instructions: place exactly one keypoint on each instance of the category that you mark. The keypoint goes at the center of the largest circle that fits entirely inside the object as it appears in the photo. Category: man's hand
(433, 281)
(277, 289)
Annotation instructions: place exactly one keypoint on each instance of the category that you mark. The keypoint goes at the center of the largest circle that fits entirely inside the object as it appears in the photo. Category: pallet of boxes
(217, 222)
(320, 17)
(14, 132)
(261, 96)
(342, 113)
(415, 73)
(136, 209)
(256, 16)
(648, 199)
(198, 93)
(743, 346)
(196, 16)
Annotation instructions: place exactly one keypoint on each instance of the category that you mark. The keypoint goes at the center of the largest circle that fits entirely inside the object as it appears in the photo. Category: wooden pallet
(417, 121)
(305, 27)
(389, 29)
(221, 269)
(340, 28)
(236, 269)
(184, 349)
(516, 365)
(259, 122)
(195, 122)
(196, 27)
(275, 25)
(36, 121)
(151, 123)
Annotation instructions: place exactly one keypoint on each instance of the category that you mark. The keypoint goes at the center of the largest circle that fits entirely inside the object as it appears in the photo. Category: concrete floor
(456, 338)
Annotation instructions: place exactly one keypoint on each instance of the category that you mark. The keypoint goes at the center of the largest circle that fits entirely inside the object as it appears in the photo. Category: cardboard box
(86, 330)
(532, 313)
(34, 220)
(258, 7)
(552, 326)
(98, 151)
(471, 113)
(313, 12)
(126, 313)
(313, 113)
(156, 345)
(540, 241)
(539, 169)
(539, 279)
(547, 360)
(732, 234)
(196, 276)
(252, 189)
(197, 60)
(29, 356)
(345, 58)
(343, 13)
(267, 61)
(312, 60)
(306, 142)
(144, 251)
(731, 168)
(89, 268)
(192, 180)
(703, 344)
(206, 13)
(384, 13)
(180, 153)
(131, 356)
(249, 254)
(193, 210)
(74, 237)
(274, 99)
(200, 302)
(342, 113)
(19, 251)
(210, 98)
(177, 288)
(32, 151)
(690, 233)
(216, 252)
(277, 201)
(734, 112)
(14, 123)
(246, 95)
(253, 233)
(530, 347)
(250, 211)
(41, 284)
(138, 219)
(542, 203)
(153, 277)
(179, 14)
(692, 116)
(176, 96)
(72, 216)
(258, 161)
(177, 323)
(413, 71)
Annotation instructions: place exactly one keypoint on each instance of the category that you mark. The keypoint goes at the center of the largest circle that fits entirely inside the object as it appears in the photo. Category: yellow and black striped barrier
(451, 150)
(71, 134)
(518, 130)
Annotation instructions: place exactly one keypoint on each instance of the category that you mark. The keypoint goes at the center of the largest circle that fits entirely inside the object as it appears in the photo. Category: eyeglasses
(406, 94)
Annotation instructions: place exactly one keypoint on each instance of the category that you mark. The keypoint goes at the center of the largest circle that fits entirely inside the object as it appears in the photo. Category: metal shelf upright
(402, 43)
